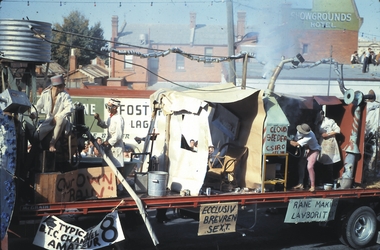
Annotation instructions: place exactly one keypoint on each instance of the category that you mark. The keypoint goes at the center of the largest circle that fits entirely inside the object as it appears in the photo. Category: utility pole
(231, 41)
(328, 84)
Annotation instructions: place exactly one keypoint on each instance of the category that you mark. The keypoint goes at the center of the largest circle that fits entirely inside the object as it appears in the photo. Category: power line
(95, 2)
(41, 36)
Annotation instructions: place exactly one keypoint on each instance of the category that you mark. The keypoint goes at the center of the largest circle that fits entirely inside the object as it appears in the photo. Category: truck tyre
(359, 227)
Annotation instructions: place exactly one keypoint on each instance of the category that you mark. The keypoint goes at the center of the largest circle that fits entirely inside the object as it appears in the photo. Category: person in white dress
(327, 130)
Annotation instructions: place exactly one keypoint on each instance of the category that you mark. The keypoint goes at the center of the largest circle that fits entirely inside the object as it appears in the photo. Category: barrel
(25, 40)
(157, 182)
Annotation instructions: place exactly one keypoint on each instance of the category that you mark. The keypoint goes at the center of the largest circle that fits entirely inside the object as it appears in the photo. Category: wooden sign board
(218, 218)
(97, 182)
(311, 210)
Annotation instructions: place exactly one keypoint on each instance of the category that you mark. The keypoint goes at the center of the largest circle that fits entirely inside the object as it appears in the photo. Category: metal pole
(328, 85)
(244, 77)
(231, 41)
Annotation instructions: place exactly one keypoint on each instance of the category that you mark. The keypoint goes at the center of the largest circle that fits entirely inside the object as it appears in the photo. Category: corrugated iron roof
(54, 68)
(175, 34)
(94, 71)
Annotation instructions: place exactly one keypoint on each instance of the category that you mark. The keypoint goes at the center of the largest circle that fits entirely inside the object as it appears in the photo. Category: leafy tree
(86, 47)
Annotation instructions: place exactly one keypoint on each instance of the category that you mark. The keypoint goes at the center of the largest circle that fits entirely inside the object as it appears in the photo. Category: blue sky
(166, 11)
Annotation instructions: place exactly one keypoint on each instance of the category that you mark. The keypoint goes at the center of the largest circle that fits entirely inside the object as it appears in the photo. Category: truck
(242, 157)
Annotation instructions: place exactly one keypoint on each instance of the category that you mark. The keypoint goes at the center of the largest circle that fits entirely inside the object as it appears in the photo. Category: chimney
(193, 16)
(240, 25)
(115, 27)
(73, 60)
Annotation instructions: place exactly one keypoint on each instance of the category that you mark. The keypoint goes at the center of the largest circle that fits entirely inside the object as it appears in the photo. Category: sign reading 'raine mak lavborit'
(311, 210)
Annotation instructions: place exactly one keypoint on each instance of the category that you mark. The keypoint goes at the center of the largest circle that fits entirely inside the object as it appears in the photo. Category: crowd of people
(366, 59)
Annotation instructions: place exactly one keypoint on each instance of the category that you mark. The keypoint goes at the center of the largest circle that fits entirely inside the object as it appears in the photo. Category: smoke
(276, 37)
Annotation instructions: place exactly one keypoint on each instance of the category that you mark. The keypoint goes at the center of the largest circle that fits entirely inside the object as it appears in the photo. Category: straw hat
(303, 128)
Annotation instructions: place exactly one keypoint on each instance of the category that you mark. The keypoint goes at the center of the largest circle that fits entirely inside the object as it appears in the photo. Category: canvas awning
(192, 100)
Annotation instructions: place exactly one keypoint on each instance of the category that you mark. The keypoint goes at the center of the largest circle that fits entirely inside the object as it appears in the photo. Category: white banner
(54, 233)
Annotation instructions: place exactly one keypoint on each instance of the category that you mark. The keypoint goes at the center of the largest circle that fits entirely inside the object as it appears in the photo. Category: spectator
(355, 58)
(128, 151)
(367, 61)
(373, 58)
(362, 57)
(377, 59)
(84, 152)
(96, 151)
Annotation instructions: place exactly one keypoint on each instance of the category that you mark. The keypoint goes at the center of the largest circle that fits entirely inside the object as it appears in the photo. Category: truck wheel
(359, 227)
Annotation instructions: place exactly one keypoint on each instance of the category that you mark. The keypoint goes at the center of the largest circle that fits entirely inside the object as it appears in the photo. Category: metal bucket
(346, 183)
(157, 182)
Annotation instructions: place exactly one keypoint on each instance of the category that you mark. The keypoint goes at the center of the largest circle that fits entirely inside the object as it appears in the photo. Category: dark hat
(303, 128)
(57, 80)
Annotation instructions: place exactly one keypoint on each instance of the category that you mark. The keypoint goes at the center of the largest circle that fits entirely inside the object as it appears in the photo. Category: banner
(218, 218)
(54, 233)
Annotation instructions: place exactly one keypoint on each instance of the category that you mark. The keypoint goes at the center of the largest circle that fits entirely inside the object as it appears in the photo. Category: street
(181, 232)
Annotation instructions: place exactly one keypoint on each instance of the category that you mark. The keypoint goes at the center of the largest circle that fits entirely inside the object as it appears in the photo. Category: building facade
(327, 29)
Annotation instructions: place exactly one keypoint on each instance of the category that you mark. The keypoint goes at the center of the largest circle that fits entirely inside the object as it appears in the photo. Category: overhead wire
(147, 2)
(41, 36)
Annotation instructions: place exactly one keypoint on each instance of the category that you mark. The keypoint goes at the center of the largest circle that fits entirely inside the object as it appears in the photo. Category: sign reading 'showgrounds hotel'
(323, 19)
(327, 14)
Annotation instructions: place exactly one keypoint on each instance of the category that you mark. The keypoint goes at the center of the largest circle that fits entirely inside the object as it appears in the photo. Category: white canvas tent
(211, 116)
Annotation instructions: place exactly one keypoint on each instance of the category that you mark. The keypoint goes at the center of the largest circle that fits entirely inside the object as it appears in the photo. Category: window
(208, 56)
(180, 62)
(128, 59)
(305, 48)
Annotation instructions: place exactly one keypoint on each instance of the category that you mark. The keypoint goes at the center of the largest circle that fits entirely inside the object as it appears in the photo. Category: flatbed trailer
(174, 200)
(355, 214)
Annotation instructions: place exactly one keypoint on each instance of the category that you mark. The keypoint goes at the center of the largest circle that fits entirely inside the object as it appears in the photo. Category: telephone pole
(231, 41)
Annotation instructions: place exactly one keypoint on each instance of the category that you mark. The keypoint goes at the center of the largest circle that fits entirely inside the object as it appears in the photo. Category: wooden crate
(96, 182)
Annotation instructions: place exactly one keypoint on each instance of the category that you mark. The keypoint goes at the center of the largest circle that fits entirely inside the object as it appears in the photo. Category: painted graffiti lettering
(311, 215)
(54, 233)
(302, 204)
(219, 209)
(219, 219)
(323, 204)
(219, 228)
(84, 183)
(278, 129)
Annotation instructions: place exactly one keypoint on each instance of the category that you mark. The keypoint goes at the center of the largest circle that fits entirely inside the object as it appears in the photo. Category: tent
(212, 116)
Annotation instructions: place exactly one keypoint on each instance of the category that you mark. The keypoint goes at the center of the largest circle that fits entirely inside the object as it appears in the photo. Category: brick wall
(133, 74)
(193, 71)
(343, 43)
